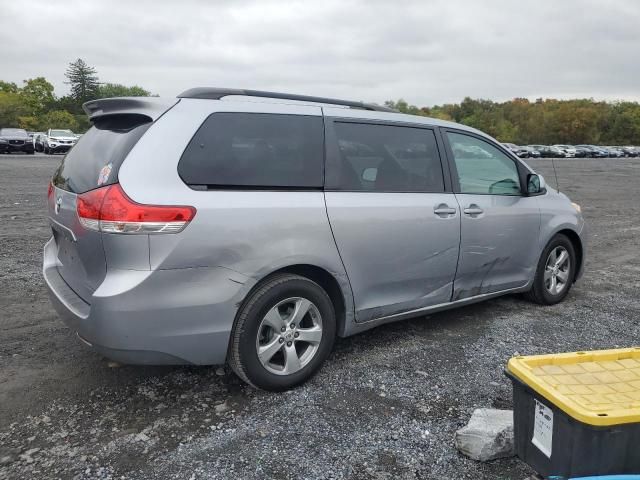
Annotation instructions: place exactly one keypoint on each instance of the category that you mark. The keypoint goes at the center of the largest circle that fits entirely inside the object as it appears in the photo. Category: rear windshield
(94, 161)
(255, 150)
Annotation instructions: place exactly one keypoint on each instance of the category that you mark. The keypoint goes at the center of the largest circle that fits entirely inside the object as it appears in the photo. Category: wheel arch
(337, 287)
(578, 248)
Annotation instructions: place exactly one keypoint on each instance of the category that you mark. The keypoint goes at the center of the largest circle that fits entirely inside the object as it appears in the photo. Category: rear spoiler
(152, 107)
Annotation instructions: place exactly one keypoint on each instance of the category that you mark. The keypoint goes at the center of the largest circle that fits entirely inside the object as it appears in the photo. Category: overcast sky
(427, 52)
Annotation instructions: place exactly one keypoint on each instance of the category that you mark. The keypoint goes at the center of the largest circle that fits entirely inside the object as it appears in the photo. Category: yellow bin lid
(599, 388)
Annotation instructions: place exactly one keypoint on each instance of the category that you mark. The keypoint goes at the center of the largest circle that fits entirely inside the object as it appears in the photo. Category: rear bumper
(178, 316)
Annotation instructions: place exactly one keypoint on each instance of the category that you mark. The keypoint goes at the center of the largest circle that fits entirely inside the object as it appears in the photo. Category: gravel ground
(386, 404)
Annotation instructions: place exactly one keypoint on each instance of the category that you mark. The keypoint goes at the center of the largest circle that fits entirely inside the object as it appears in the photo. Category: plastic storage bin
(578, 414)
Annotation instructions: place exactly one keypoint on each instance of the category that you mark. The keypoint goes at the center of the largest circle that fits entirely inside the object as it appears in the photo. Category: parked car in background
(521, 152)
(4, 145)
(533, 153)
(39, 141)
(189, 262)
(605, 151)
(17, 140)
(569, 150)
(582, 152)
(613, 152)
(596, 152)
(59, 141)
(35, 137)
(629, 151)
(549, 151)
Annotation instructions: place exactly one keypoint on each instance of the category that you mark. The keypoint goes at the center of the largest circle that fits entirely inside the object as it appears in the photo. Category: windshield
(13, 131)
(62, 133)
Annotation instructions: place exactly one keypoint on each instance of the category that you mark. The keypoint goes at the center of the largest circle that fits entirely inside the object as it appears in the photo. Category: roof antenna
(555, 172)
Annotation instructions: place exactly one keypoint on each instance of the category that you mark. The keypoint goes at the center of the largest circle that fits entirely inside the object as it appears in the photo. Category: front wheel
(555, 272)
(283, 333)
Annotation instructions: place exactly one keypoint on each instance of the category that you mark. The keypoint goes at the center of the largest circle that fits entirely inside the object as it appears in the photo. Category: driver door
(500, 226)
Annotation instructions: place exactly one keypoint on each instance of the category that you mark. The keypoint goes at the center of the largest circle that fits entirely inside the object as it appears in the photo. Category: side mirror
(370, 174)
(535, 184)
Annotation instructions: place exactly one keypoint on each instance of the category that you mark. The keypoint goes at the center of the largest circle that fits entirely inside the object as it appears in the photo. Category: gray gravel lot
(386, 405)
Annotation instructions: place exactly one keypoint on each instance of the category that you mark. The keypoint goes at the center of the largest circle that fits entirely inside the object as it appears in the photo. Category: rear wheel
(555, 272)
(283, 333)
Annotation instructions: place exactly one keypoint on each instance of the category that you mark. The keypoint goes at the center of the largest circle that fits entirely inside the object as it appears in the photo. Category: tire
(275, 302)
(542, 291)
(45, 150)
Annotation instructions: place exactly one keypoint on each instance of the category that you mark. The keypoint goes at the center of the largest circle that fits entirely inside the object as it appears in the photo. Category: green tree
(12, 107)
(83, 81)
(403, 107)
(545, 121)
(8, 87)
(58, 119)
(110, 90)
(83, 123)
(29, 123)
(37, 94)
(67, 103)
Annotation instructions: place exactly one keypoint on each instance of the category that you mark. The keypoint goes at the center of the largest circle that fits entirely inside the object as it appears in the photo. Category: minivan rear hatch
(92, 163)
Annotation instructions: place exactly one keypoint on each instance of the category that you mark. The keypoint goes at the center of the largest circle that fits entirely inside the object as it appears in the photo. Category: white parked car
(569, 151)
(59, 141)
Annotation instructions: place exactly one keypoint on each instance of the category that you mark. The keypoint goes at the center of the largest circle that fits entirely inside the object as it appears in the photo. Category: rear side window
(255, 150)
(384, 158)
(94, 161)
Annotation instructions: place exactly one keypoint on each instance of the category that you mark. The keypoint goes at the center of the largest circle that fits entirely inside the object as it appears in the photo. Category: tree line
(544, 121)
(34, 105)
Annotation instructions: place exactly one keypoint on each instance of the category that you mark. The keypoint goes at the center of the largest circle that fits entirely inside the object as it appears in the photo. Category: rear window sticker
(103, 176)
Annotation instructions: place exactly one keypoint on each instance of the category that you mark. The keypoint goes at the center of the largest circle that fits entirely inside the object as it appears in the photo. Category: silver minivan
(254, 227)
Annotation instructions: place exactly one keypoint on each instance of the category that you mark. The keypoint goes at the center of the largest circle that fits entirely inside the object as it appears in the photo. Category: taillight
(50, 191)
(109, 210)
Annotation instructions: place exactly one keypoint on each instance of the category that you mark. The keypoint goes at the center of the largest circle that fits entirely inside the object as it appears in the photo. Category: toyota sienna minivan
(254, 227)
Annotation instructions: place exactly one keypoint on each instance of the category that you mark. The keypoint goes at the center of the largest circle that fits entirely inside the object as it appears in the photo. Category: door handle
(473, 209)
(444, 210)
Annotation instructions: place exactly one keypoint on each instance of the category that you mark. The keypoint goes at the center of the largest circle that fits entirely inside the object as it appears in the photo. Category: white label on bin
(543, 428)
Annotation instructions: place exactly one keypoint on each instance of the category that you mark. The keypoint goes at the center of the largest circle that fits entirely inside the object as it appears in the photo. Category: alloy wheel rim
(289, 336)
(556, 270)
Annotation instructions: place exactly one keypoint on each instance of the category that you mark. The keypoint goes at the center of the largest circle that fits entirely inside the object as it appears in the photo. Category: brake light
(110, 210)
(50, 191)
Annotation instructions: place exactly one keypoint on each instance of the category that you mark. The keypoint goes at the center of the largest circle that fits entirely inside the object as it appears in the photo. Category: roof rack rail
(213, 93)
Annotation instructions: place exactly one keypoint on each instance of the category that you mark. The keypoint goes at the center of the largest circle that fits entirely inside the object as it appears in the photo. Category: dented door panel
(499, 245)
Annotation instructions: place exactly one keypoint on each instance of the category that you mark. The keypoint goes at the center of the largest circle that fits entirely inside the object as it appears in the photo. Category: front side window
(482, 168)
(255, 150)
(383, 158)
